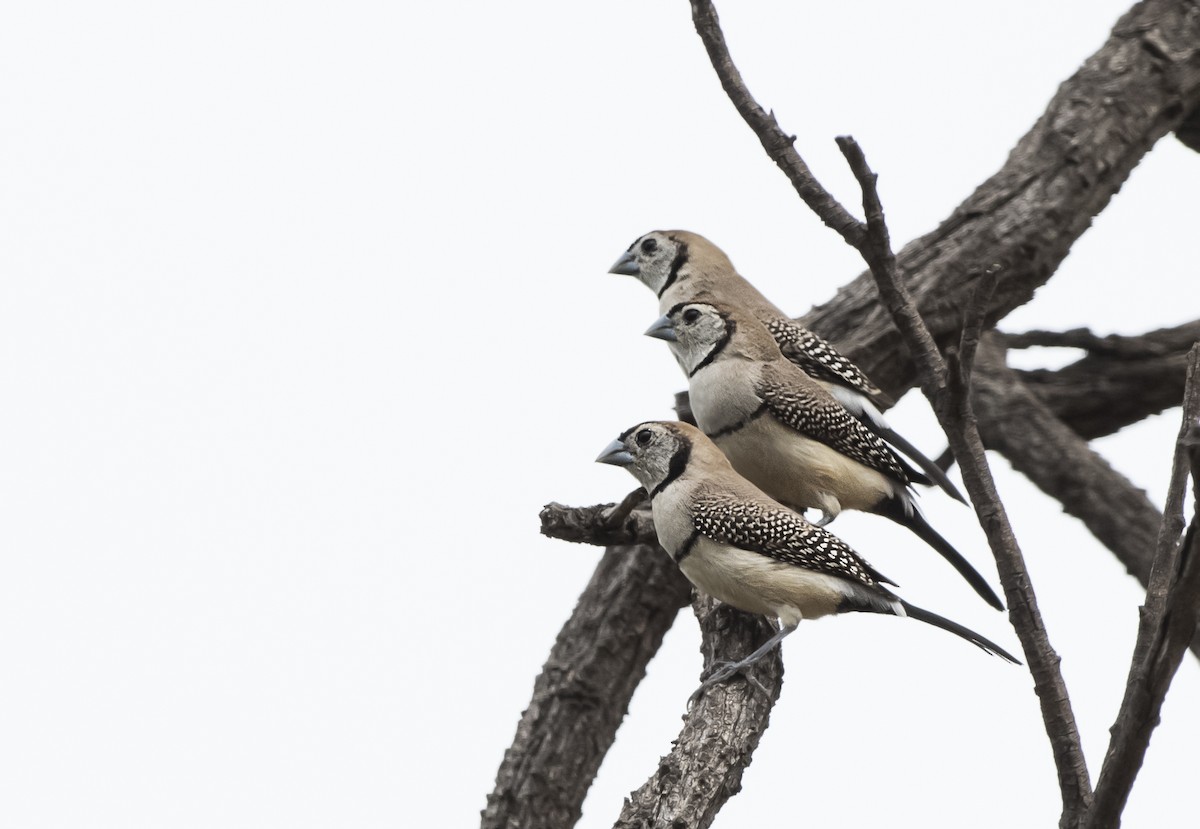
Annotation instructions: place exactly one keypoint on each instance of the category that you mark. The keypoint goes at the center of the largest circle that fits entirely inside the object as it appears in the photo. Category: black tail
(922, 615)
(894, 509)
(935, 473)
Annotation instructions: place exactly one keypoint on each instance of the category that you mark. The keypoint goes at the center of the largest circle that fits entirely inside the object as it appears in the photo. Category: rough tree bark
(584, 689)
(704, 767)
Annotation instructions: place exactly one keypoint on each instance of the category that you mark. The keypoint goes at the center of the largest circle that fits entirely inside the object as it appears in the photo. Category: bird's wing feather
(809, 410)
(771, 529)
(819, 359)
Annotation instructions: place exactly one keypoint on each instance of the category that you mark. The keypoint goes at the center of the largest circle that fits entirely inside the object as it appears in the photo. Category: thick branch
(720, 733)
(1122, 380)
(948, 394)
(1160, 343)
(1101, 122)
(584, 689)
(1169, 620)
(1188, 132)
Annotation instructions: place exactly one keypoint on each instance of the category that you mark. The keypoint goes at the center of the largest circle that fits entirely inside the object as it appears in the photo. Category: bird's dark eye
(649, 246)
(691, 315)
(643, 437)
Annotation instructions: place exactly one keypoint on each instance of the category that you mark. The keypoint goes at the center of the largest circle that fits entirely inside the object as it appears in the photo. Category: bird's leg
(724, 670)
(829, 507)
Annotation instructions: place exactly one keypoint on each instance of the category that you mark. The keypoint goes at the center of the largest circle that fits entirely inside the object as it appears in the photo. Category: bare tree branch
(1013, 422)
(1122, 381)
(950, 399)
(584, 689)
(720, 733)
(1160, 343)
(1188, 132)
(778, 144)
(1101, 122)
(973, 325)
(602, 524)
(1168, 623)
(1096, 129)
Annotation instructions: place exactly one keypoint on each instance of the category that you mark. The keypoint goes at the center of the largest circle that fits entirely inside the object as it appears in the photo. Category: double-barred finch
(680, 266)
(738, 545)
(786, 433)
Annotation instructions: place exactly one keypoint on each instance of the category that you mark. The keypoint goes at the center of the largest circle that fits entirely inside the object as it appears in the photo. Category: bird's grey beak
(663, 329)
(626, 265)
(616, 454)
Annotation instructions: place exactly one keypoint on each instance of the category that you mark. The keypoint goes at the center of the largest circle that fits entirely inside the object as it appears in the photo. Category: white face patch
(655, 448)
(655, 254)
(699, 330)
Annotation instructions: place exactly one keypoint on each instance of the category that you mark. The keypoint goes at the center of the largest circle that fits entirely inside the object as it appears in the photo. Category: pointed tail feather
(861, 407)
(929, 618)
(897, 510)
(927, 466)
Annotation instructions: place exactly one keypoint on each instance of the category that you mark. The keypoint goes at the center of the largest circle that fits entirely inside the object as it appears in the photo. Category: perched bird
(679, 266)
(784, 432)
(738, 545)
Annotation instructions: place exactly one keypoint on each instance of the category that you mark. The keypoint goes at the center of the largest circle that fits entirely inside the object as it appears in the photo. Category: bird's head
(655, 259)
(695, 331)
(654, 452)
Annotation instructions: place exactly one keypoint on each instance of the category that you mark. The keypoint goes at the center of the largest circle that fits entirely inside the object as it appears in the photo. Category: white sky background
(304, 315)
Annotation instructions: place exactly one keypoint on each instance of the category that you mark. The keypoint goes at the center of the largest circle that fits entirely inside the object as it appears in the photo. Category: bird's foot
(720, 672)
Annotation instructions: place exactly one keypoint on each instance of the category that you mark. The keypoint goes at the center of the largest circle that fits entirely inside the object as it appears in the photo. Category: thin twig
(1168, 623)
(1039, 445)
(876, 250)
(974, 320)
(778, 144)
(952, 405)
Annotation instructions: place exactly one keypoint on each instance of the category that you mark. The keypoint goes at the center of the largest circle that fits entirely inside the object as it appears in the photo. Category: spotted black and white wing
(819, 359)
(777, 532)
(812, 413)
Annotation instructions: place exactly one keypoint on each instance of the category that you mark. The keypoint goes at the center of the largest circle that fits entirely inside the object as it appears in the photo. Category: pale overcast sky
(304, 316)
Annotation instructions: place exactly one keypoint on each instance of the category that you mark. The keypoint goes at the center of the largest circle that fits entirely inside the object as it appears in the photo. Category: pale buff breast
(801, 472)
(722, 394)
(759, 584)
